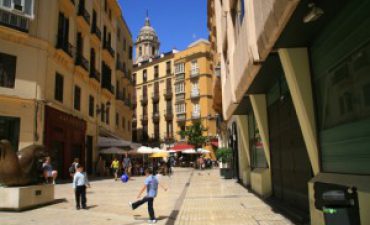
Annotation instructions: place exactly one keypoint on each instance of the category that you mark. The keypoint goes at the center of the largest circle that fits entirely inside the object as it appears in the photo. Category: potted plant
(225, 156)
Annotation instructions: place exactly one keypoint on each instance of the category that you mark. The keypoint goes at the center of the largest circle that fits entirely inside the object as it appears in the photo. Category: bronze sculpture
(22, 167)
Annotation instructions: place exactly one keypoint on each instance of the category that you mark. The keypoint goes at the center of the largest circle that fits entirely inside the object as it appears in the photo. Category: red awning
(181, 147)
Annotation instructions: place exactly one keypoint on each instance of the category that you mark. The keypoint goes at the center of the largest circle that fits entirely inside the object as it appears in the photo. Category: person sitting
(48, 171)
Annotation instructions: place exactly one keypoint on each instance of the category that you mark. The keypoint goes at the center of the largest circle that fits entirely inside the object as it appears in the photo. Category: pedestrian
(115, 167)
(80, 182)
(169, 166)
(127, 165)
(151, 185)
(73, 168)
(48, 171)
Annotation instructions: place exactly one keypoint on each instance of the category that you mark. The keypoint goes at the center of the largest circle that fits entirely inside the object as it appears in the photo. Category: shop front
(64, 139)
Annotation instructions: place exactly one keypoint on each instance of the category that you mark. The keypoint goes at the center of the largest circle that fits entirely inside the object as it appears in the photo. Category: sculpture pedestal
(27, 197)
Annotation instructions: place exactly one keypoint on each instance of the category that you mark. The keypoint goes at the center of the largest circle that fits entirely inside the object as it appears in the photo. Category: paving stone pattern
(193, 198)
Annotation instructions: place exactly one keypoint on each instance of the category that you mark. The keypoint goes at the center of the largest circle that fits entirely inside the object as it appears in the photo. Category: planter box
(227, 173)
(22, 198)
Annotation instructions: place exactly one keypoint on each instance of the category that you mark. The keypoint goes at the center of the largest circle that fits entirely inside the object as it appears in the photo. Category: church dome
(147, 33)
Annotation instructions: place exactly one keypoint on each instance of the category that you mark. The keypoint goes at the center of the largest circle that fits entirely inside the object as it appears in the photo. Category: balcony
(95, 74)
(134, 103)
(108, 47)
(180, 76)
(181, 117)
(156, 117)
(84, 14)
(168, 114)
(14, 21)
(195, 93)
(96, 37)
(180, 97)
(195, 115)
(128, 103)
(82, 62)
(65, 47)
(194, 73)
(119, 96)
(144, 119)
(67, 5)
(119, 67)
(167, 94)
(155, 97)
(109, 87)
(144, 100)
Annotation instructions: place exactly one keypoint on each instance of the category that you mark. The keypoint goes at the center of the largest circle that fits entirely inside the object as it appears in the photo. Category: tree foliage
(194, 135)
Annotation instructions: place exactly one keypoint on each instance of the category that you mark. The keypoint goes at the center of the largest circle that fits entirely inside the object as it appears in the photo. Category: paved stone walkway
(193, 198)
(213, 200)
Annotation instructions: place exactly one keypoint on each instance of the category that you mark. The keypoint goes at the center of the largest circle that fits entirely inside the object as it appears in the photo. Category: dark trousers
(80, 194)
(150, 206)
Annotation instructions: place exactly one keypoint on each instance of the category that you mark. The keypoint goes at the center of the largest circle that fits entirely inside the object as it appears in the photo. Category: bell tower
(147, 43)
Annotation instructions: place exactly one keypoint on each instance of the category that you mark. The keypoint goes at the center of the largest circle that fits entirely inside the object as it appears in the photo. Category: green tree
(194, 135)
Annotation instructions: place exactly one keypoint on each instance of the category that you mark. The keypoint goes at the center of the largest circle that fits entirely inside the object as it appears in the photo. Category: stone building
(64, 76)
(295, 100)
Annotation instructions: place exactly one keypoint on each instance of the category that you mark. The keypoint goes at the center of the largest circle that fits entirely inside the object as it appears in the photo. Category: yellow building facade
(172, 91)
(63, 83)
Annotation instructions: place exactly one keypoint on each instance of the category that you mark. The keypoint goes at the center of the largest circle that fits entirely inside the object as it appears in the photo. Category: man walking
(127, 165)
(80, 183)
(151, 185)
(115, 167)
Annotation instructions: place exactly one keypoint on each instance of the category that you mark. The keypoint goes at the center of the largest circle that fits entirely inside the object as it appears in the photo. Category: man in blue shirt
(151, 185)
(80, 183)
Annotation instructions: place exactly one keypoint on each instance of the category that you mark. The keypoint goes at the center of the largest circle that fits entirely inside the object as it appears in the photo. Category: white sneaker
(130, 204)
(152, 221)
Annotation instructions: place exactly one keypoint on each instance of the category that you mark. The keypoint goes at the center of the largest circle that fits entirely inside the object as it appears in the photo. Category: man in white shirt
(80, 182)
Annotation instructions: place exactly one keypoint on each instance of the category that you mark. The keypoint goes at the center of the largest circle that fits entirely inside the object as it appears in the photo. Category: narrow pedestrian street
(193, 198)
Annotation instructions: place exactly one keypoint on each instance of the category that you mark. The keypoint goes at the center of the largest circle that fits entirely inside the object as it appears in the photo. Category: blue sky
(177, 22)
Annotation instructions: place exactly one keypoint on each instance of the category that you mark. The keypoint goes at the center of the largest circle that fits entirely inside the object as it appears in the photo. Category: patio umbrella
(190, 151)
(160, 154)
(113, 150)
(203, 150)
(144, 150)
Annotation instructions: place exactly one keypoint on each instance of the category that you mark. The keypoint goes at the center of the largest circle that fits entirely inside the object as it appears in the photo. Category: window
(128, 125)
(118, 34)
(180, 108)
(77, 98)
(105, 5)
(134, 78)
(59, 87)
(124, 123)
(196, 108)
(179, 68)
(91, 105)
(140, 51)
(145, 77)
(102, 112)
(23, 6)
(7, 70)
(130, 53)
(117, 119)
(156, 72)
(194, 67)
(168, 67)
(124, 44)
(153, 50)
(258, 159)
(180, 88)
(107, 116)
